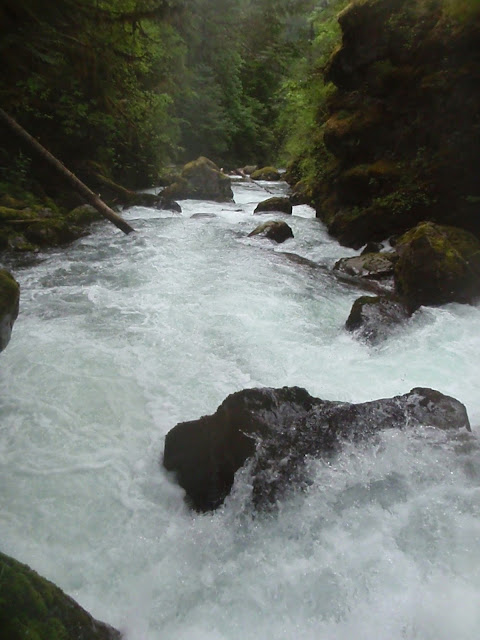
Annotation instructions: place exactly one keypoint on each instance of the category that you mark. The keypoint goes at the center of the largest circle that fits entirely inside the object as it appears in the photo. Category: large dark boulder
(374, 318)
(437, 264)
(278, 429)
(9, 302)
(200, 179)
(32, 607)
(275, 230)
(283, 205)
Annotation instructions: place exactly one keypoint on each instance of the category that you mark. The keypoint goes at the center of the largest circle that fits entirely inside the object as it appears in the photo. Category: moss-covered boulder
(37, 226)
(282, 205)
(9, 304)
(437, 264)
(200, 179)
(266, 173)
(33, 608)
(374, 318)
(275, 230)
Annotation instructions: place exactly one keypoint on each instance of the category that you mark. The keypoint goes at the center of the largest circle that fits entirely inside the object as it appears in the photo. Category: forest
(127, 87)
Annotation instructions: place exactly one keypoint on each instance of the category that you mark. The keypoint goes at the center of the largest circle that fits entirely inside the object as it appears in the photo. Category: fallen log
(77, 184)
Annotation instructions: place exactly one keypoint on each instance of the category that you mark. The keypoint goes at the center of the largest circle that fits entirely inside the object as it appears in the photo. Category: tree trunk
(77, 184)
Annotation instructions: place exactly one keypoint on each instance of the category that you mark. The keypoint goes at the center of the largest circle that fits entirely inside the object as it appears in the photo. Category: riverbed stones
(9, 304)
(275, 230)
(278, 430)
(33, 607)
(276, 204)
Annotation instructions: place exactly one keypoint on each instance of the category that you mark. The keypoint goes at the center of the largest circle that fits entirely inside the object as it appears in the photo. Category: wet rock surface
(278, 430)
(277, 204)
(275, 230)
(374, 318)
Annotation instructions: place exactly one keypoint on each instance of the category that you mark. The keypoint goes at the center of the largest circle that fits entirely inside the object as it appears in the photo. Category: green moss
(266, 173)
(8, 214)
(9, 292)
(438, 264)
(34, 608)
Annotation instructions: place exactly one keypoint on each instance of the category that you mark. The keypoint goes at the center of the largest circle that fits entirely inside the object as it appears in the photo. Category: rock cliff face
(404, 120)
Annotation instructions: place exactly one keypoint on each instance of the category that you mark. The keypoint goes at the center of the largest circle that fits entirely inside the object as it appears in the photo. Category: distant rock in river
(278, 429)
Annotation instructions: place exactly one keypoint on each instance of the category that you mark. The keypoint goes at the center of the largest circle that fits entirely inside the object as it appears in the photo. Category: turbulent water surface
(119, 338)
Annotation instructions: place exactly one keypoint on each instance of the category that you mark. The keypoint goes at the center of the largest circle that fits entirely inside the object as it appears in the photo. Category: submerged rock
(278, 429)
(437, 264)
(283, 205)
(200, 179)
(32, 607)
(276, 230)
(375, 318)
(9, 302)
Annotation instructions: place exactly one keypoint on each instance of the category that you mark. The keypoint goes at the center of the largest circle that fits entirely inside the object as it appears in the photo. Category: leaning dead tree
(77, 184)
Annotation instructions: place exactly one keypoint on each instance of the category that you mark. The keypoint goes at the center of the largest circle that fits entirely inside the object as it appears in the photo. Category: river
(119, 338)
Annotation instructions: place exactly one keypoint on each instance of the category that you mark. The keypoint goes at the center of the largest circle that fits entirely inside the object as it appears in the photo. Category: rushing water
(119, 338)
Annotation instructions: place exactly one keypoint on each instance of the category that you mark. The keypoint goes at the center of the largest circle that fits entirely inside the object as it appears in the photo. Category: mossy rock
(201, 179)
(387, 215)
(6, 200)
(275, 230)
(9, 304)
(361, 183)
(266, 173)
(38, 226)
(83, 215)
(437, 264)
(282, 205)
(354, 134)
(52, 233)
(34, 608)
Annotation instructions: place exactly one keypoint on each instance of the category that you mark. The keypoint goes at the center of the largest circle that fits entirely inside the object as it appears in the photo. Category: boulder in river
(278, 430)
(374, 318)
(9, 303)
(275, 230)
(437, 264)
(278, 204)
(370, 265)
(32, 607)
(266, 173)
(200, 179)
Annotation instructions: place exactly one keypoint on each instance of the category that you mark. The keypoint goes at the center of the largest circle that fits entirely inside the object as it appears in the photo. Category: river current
(119, 338)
